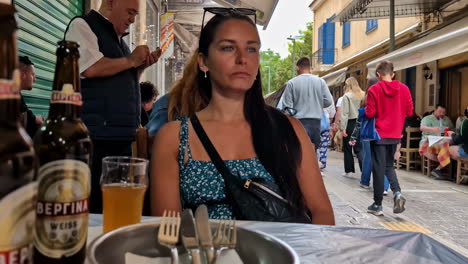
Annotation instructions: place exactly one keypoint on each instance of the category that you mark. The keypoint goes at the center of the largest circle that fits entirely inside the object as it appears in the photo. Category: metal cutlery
(225, 237)
(204, 231)
(168, 234)
(189, 236)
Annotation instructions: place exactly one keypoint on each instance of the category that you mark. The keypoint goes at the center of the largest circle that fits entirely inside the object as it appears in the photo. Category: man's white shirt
(80, 32)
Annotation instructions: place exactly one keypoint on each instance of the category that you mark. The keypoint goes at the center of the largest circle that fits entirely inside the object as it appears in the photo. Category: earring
(205, 75)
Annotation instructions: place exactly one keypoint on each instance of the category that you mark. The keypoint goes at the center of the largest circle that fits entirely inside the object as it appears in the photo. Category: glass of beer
(123, 182)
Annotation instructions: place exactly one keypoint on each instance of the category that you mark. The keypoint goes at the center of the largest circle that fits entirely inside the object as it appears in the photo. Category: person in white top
(110, 75)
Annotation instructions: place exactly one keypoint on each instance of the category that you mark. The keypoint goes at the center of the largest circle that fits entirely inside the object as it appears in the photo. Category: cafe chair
(462, 168)
(410, 156)
(143, 144)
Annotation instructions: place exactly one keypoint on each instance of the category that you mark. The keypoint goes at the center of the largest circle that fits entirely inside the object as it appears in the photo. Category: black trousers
(101, 149)
(348, 150)
(312, 127)
(382, 164)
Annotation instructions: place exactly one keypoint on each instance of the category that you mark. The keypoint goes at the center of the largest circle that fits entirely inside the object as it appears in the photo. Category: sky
(289, 17)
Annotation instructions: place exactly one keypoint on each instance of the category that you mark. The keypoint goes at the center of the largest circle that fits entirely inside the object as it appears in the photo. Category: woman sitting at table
(254, 139)
(460, 141)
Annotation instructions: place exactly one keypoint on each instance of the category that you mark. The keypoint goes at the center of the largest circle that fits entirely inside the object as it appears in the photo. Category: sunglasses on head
(224, 11)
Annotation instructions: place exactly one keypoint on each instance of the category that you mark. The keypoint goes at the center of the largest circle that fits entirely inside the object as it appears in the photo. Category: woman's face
(233, 56)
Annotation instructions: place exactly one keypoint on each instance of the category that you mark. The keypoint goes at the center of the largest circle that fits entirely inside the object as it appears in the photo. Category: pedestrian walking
(325, 135)
(352, 101)
(390, 102)
(308, 94)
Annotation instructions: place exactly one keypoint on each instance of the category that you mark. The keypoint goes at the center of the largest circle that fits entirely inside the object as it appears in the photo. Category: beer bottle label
(62, 208)
(17, 224)
(9, 89)
(66, 96)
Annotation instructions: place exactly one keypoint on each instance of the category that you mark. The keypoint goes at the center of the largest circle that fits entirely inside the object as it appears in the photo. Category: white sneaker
(346, 174)
(385, 193)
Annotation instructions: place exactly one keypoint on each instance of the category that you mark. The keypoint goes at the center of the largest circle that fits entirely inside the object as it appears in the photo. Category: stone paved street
(438, 208)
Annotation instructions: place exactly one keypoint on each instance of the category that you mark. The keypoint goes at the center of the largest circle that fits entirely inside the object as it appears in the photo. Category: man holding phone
(110, 76)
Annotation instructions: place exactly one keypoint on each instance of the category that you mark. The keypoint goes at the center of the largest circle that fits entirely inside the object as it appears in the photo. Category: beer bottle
(63, 149)
(17, 159)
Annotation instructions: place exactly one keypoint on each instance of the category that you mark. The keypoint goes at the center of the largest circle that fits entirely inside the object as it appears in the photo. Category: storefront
(41, 25)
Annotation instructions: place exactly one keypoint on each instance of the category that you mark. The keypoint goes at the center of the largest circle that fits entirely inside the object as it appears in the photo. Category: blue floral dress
(201, 183)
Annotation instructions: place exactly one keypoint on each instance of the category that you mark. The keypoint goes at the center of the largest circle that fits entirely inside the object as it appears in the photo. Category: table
(439, 146)
(333, 244)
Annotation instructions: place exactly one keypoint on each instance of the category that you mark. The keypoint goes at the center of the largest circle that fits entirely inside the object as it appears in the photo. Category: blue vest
(111, 105)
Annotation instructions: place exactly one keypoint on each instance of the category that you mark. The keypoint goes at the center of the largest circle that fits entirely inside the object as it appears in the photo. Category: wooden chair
(143, 144)
(142, 149)
(410, 155)
(462, 167)
(427, 165)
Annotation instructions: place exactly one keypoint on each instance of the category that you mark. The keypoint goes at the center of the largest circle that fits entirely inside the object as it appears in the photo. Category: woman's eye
(252, 49)
(227, 48)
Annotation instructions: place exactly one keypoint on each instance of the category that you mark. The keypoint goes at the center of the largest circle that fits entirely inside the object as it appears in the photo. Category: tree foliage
(281, 68)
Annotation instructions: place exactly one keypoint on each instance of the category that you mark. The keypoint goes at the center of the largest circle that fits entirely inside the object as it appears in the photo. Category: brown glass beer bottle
(63, 148)
(17, 159)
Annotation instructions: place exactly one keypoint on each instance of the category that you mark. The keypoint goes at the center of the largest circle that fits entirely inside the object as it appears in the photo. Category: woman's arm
(165, 193)
(310, 180)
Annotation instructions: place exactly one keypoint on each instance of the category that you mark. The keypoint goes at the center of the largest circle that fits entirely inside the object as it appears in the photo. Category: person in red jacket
(390, 102)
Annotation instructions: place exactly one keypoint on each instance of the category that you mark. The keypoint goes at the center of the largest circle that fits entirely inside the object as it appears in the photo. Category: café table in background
(334, 244)
(439, 146)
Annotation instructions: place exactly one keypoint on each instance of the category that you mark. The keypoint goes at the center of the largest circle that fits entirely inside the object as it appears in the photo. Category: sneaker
(364, 186)
(398, 203)
(437, 174)
(375, 209)
(346, 174)
(385, 193)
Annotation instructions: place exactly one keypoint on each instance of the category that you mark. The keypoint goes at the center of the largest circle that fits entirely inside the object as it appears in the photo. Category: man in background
(110, 75)
(308, 94)
(149, 94)
(389, 102)
(435, 125)
(28, 77)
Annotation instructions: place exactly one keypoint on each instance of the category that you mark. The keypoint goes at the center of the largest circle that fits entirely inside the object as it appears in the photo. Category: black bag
(255, 199)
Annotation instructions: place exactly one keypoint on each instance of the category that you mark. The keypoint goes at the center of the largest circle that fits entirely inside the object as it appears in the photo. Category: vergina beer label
(10, 89)
(62, 208)
(17, 224)
(66, 96)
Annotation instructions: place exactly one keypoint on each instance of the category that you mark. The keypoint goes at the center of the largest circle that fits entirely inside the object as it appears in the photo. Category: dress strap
(184, 146)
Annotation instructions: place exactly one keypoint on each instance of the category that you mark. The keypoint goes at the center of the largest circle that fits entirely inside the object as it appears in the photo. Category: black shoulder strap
(210, 149)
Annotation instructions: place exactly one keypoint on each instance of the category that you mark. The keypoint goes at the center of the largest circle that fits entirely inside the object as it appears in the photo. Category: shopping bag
(368, 131)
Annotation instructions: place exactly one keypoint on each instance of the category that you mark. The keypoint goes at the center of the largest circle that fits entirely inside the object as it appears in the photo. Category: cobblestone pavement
(438, 208)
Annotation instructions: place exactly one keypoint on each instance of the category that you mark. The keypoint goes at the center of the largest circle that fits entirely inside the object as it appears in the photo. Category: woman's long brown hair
(184, 97)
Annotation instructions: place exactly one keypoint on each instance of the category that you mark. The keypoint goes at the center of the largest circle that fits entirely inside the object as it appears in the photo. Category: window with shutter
(371, 25)
(346, 34)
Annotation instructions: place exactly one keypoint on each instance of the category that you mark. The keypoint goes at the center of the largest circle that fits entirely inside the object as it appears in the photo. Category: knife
(204, 231)
(189, 235)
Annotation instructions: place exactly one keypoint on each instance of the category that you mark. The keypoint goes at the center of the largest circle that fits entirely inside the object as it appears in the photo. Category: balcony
(323, 59)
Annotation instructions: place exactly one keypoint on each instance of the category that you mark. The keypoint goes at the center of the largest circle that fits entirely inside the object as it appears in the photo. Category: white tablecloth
(332, 244)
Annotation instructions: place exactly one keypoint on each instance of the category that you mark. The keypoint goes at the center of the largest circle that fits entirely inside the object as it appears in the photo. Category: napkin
(228, 256)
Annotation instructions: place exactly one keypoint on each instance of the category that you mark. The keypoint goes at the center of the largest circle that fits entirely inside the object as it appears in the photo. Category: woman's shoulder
(170, 131)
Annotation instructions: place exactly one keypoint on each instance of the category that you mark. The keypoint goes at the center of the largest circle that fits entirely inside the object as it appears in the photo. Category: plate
(253, 247)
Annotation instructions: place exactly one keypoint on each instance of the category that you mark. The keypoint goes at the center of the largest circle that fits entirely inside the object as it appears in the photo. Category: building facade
(351, 38)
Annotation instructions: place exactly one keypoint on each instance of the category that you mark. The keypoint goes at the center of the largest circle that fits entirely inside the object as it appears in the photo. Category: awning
(191, 11)
(335, 77)
(187, 40)
(442, 43)
(375, 9)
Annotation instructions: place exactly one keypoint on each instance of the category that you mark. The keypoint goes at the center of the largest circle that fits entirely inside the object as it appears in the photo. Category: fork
(225, 237)
(168, 234)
